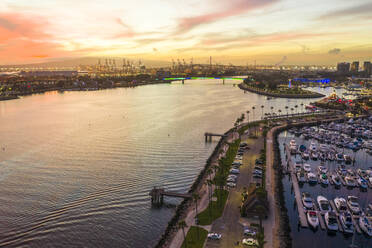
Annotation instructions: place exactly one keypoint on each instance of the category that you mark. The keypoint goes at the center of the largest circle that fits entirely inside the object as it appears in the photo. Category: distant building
(354, 66)
(367, 68)
(48, 73)
(343, 67)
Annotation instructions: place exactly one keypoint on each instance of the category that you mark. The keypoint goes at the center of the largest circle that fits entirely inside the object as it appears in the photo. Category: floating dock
(296, 189)
(320, 217)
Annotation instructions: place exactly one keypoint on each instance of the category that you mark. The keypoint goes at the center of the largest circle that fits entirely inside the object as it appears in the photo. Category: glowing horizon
(237, 31)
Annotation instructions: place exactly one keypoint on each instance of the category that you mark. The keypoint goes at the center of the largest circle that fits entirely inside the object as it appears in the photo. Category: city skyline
(236, 31)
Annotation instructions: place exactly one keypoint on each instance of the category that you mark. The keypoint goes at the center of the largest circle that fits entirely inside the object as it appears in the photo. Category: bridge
(193, 78)
(157, 194)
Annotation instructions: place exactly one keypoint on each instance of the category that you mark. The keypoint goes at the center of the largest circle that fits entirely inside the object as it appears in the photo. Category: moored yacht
(313, 147)
(347, 222)
(314, 155)
(323, 203)
(307, 201)
(365, 225)
(336, 180)
(305, 155)
(340, 204)
(311, 178)
(352, 203)
(323, 179)
(331, 221)
(312, 218)
(349, 181)
(362, 183)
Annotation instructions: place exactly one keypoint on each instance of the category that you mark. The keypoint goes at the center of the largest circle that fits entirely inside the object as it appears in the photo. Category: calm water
(306, 238)
(76, 167)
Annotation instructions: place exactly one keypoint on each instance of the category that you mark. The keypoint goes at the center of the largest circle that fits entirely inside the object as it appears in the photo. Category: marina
(341, 166)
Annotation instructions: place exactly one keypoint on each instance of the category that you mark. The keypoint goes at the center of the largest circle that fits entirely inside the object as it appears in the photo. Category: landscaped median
(214, 209)
(195, 237)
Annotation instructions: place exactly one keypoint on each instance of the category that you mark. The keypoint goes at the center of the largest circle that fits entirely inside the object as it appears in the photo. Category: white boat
(314, 155)
(365, 225)
(313, 147)
(347, 222)
(362, 183)
(340, 204)
(331, 221)
(307, 167)
(305, 155)
(322, 169)
(312, 218)
(352, 203)
(301, 177)
(311, 178)
(323, 179)
(307, 201)
(336, 180)
(323, 204)
(349, 181)
(323, 148)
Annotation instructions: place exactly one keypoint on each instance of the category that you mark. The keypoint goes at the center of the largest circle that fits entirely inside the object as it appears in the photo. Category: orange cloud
(23, 38)
(237, 7)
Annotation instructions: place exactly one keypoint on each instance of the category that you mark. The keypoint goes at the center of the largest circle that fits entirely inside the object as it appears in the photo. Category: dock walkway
(296, 189)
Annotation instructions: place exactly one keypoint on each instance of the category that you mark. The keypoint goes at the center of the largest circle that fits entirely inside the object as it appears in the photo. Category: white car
(231, 185)
(234, 171)
(249, 241)
(249, 231)
(215, 236)
(231, 180)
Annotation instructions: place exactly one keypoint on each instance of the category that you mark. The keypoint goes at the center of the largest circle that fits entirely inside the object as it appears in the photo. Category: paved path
(269, 224)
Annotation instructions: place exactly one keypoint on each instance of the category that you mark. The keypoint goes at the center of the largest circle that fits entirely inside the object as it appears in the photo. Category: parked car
(231, 185)
(248, 231)
(214, 236)
(250, 241)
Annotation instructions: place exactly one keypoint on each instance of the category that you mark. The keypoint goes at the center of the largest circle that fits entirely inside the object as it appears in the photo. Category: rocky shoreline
(265, 93)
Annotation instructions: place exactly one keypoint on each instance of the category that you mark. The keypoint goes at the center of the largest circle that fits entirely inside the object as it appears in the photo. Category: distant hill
(65, 63)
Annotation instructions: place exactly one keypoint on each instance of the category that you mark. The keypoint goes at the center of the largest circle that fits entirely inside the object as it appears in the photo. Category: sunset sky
(240, 31)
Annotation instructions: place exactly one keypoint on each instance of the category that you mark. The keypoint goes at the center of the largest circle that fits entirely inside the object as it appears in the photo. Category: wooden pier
(296, 189)
(208, 136)
(320, 217)
(157, 194)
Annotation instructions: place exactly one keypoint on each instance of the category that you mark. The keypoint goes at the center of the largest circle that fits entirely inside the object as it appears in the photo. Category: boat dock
(320, 217)
(296, 189)
(356, 224)
(157, 194)
(208, 136)
(338, 219)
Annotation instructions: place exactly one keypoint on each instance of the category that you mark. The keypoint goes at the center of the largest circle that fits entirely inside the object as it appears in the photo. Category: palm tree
(261, 211)
(272, 108)
(209, 184)
(262, 107)
(253, 108)
(248, 115)
(261, 240)
(292, 111)
(296, 106)
(182, 224)
(195, 198)
(302, 108)
(286, 107)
